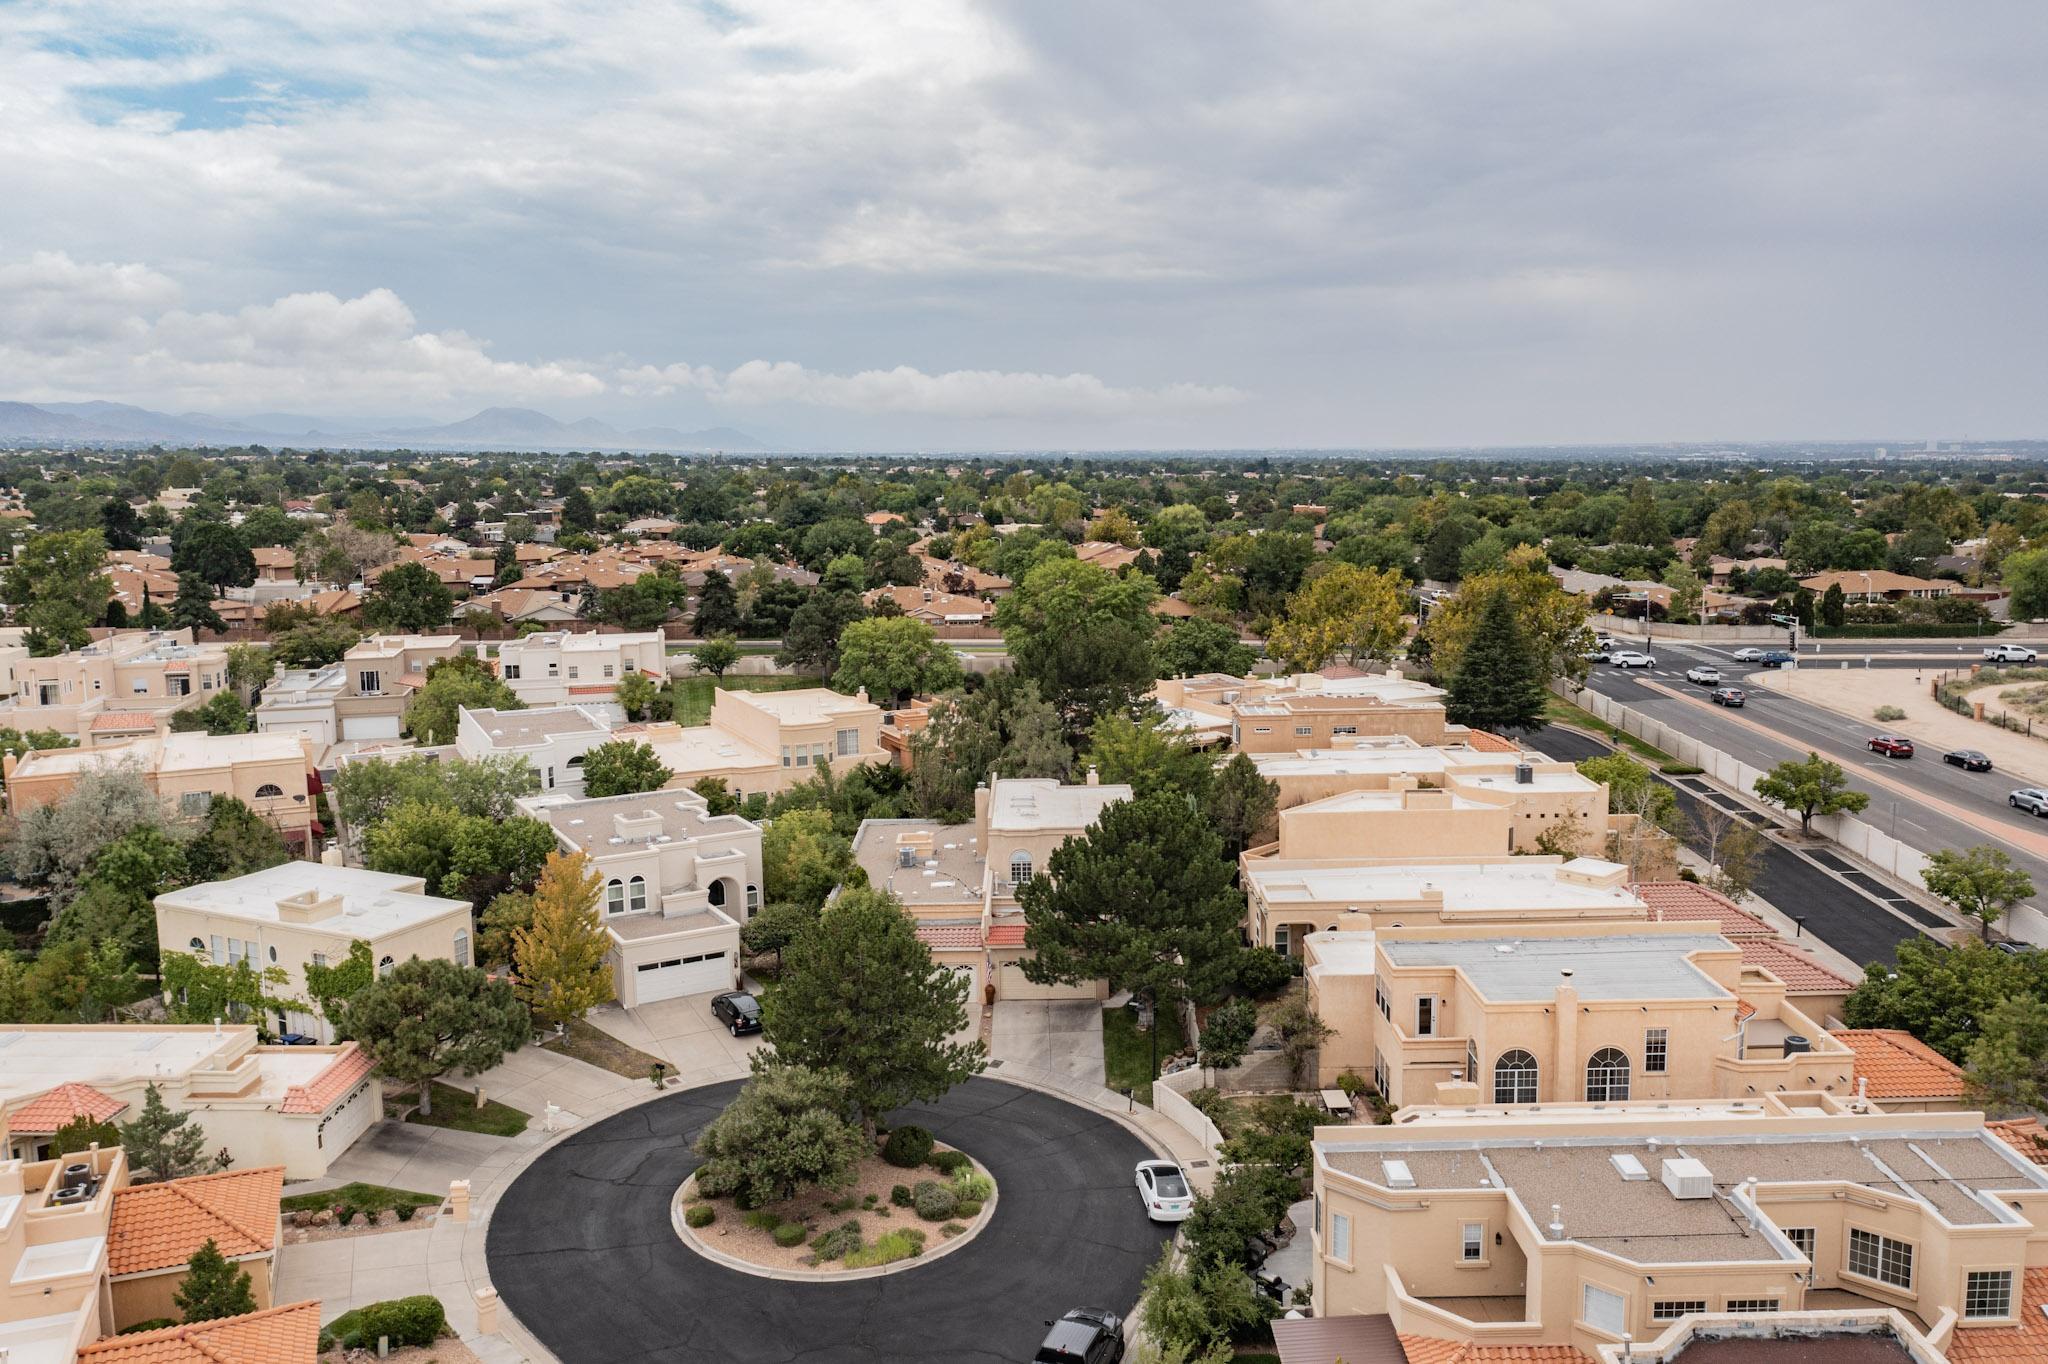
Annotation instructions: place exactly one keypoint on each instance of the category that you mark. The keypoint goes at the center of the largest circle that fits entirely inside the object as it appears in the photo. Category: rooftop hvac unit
(67, 1197)
(1399, 1176)
(1524, 774)
(1796, 1045)
(1627, 1166)
(77, 1173)
(906, 857)
(1688, 1178)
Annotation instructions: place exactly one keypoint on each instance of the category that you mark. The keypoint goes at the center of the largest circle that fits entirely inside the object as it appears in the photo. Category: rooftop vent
(1688, 1178)
(1627, 1166)
(1399, 1176)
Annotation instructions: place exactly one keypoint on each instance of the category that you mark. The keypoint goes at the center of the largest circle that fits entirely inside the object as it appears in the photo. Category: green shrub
(972, 1187)
(344, 1215)
(1261, 971)
(1676, 769)
(839, 1242)
(418, 1320)
(716, 1183)
(908, 1147)
(934, 1201)
(791, 1234)
(1889, 713)
(869, 1200)
(900, 1195)
(763, 1220)
(951, 1229)
(846, 1204)
(889, 1247)
(153, 1324)
(405, 1211)
(967, 1207)
(701, 1215)
(949, 1162)
(1353, 1084)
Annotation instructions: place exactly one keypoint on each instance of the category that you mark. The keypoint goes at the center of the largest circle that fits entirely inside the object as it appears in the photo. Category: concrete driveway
(1062, 1037)
(683, 1033)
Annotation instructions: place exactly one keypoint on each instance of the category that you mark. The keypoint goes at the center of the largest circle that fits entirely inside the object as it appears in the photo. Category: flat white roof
(802, 705)
(705, 749)
(59, 1259)
(583, 643)
(172, 753)
(1025, 804)
(1606, 966)
(33, 1060)
(531, 728)
(1521, 884)
(1344, 953)
(1388, 800)
(1334, 762)
(1566, 779)
(41, 1340)
(372, 903)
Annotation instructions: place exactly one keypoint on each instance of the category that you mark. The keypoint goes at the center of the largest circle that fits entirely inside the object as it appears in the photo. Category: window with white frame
(1379, 1072)
(636, 894)
(1280, 939)
(1340, 1237)
(511, 672)
(615, 896)
(1514, 1078)
(849, 742)
(194, 802)
(1020, 867)
(198, 947)
(1603, 1309)
(1987, 1293)
(753, 899)
(270, 790)
(786, 755)
(384, 967)
(610, 670)
(1656, 1051)
(1425, 1015)
(574, 672)
(1606, 1076)
(461, 952)
(369, 683)
(1379, 999)
(220, 950)
(1671, 1309)
(1304, 729)
(320, 960)
(1872, 1256)
(1803, 1240)
(1472, 1242)
(1751, 1305)
(1471, 1062)
(803, 755)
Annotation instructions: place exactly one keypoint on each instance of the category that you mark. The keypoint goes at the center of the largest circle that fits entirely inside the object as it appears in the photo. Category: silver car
(2032, 799)
(1706, 677)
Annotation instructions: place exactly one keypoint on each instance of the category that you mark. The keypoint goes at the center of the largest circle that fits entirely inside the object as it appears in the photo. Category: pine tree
(214, 1287)
(1241, 803)
(1834, 607)
(165, 1144)
(561, 958)
(718, 607)
(1499, 682)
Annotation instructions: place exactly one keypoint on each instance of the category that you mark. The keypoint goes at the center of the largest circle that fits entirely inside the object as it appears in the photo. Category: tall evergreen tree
(718, 607)
(1499, 681)
(214, 1287)
(168, 1145)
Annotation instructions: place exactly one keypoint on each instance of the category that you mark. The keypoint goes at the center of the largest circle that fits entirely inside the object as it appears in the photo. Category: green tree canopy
(1808, 787)
(1943, 994)
(1083, 637)
(1498, 683)
(57, 580)
(789, 1130)
(894, 659)
(803, 857)
(1980, 882)
(161, 1144)
(453, 685)
(429, 1017)
(409, 598)
(213, 1287)
(622, 767)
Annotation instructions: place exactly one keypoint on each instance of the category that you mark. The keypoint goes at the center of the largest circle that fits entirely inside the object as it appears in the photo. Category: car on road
(1969, 759)
(1597, 654)
(1164, 1190)
(1706, 677)
(2032, 799)
(738, 1010)
(1748, 655)
(1728, 696)
(1777, 658)
(1085, 1335)
(2010, 653)
(1630, 658)
(1891, 745)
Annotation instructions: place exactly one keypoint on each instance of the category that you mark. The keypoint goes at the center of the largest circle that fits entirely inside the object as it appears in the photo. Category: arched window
(615, 896)
(270, 790)
(384, 967)
(1514, 1078)
(461, 953)
(199, 947)
(636, 900)
(1607, 1077)
(715, 892)
(753, 899)
(1020, 867)
(576, 761)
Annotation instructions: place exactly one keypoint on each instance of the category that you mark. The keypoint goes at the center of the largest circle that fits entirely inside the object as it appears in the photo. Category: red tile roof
(1800, 972)
(2025, 1135)
(1429, 1350)
(324, 1090)
(1685, 901)
(1898, 1065)
(123, 719)
(47, 1112)
(2026, 1343)
(1491, 743)
(276, 1335)
(950, 937)
(158, 1226)
(1006, 935)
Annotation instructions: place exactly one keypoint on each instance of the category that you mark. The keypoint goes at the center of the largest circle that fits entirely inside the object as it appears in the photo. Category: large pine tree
(1499, 682)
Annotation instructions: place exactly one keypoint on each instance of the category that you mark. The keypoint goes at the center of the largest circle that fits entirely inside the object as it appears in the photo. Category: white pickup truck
(2010, 653)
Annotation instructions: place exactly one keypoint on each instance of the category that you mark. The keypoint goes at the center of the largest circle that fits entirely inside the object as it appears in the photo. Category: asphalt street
(1846, 909)
(582, 1250)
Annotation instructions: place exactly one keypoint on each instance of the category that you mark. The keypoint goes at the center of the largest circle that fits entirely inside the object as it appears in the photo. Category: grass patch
(693, 694)
(1127, 1050)
(591, 1044)
(370, 1198)
(456, 1109)
(1558, 711)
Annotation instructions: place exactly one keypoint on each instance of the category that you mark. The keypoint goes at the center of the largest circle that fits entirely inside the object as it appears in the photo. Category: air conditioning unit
(1688, 1178)
(906, 857)
(64, 1198)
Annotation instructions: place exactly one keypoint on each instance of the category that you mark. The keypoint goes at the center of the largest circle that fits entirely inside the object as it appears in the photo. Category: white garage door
(370, 727)
(673, 977)
(1011, 984)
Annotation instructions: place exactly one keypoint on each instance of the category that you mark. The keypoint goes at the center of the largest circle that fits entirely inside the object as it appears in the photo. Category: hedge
(1904, 630)
(418, 1320)
(908, 1147)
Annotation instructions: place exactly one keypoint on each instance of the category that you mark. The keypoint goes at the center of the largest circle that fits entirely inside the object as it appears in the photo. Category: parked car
(1892, 745)
(1706, 677)
(1969, 759)
(1597, 654)
(1164, 1190)
(1777, 658)
(1605, 641)
(1630, 658)
(1751, 655)
(2010, 653)
(1085, 1335)
(2011, 948)
(738, 1010)
(1728, 696)
(2032, 799)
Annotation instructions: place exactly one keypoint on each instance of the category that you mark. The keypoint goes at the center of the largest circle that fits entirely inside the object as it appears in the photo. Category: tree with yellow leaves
(1349, 612)
(560, 957)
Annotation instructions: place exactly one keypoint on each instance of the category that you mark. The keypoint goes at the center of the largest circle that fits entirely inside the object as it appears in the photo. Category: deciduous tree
(409, 598)
(894, 659)
(1809, 787)
(560, 956)
(452, 685)
(622, 767)
(1980, 882)
(1082, 636)
(1348, 612)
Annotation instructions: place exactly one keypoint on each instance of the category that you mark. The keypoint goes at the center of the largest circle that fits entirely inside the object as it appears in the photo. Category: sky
(944, 224)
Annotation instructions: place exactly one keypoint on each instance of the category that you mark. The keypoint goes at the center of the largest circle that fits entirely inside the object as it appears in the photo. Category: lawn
(456, 1109)
(1559, 711)
(693, 694)
(591, 1044)
(1127, 1050)
(370, 1198)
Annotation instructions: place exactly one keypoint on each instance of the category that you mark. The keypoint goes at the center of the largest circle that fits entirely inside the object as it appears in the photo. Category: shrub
(839, 1205)
(869, 1201)
(344, 1214)
(787, 1131)
(763, 1220)
(1890, 713)
(702, 1215)
(153, 1324)
(900, 1195)
(839, 1242)
(1261, 970)
(934, 1201)
(973, 1187)
(791, 1234)
(908, 1147)
(717, 1183)
(951, 1229)
(949, 1162)
(418, 1320)
(967, 1207)
(405, 1212)
(889, 1247)
(1353, 1084)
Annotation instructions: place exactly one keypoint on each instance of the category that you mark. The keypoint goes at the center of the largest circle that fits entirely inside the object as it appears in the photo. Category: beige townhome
(1312, 710)
(53, 1252)
(298, 914)
(1547, 1013)
(678, 881)
(1639, 1232)
(155, 1229)
(117, 687)
(267, 772)
(362, 697)
(939, 874)
(557, 667)
(299, 1107)
(553, 740)
(768, 741)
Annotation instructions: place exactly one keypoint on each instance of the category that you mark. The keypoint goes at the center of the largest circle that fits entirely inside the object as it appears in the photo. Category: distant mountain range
(494, 428)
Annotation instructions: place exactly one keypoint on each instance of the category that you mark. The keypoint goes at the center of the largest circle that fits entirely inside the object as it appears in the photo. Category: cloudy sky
(943, 224)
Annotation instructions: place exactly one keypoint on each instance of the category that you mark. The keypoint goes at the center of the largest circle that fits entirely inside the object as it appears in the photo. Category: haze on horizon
(975, 225)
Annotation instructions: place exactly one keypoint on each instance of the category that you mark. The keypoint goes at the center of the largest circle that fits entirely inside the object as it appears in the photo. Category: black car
(1969, 759)
(1086, 1335)
(739, 1011)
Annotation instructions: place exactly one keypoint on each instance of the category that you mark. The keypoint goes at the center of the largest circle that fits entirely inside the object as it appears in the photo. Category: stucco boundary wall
(1894, 857)
(1706, 634)
(1169, 1101)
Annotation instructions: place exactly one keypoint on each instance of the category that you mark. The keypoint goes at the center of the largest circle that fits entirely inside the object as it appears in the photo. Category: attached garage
(673, 977)
(369, 727)
(1011, 985)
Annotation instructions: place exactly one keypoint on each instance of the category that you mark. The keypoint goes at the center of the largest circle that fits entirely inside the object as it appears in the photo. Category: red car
(1892, 746)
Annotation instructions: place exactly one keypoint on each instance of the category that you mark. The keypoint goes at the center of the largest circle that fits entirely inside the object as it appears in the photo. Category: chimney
(1094, 777)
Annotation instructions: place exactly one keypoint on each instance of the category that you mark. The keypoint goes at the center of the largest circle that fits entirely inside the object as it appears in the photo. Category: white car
(1629, 658)
(2010, 653)
(1706, 677)
(1164, 1190)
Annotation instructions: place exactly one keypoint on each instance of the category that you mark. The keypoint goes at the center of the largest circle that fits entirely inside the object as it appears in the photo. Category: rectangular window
(511, 671)
(1751, 1305)
(1802, 1239)
(1425, 1016)
(817, 753)
(1280, 939)
(220, 950)
(178, 686)
(803, 755)
(1656, 1051)
(849, 742)
(574, 672)
(785, 755)
(237, 951)
(320, 960)
(1881, 1258)
(1379, 999)
(611, 670)
(369, 683)
(140, 686)
(1675, 1308)
(1603, 1309)
(1304, 729)
(1379, 1072)
(1471, 1061)
(1988, 1293)
(1262, 729)
(1340, 1237)
(194, 802)
(1344, 729)
(1472, 1242)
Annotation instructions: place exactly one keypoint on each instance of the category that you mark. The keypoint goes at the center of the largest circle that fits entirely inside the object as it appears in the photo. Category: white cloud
(964, 394)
